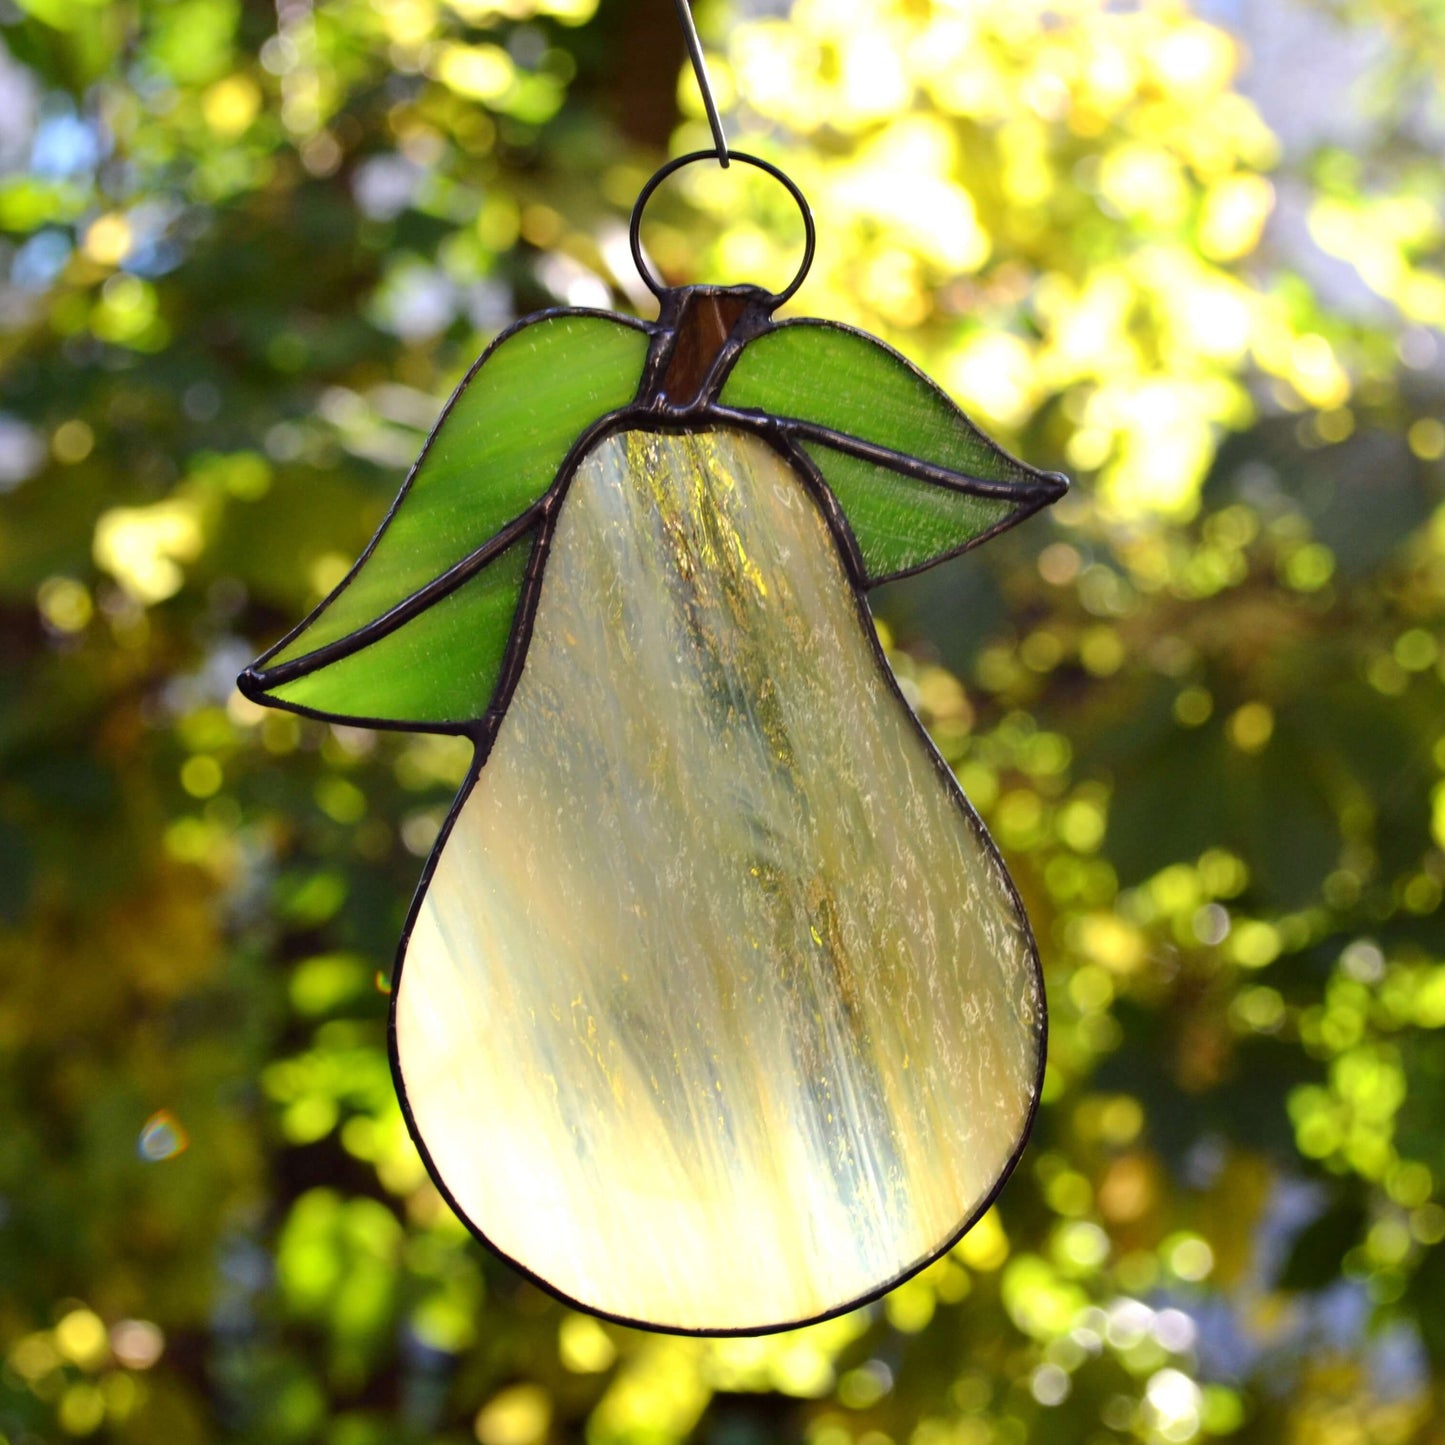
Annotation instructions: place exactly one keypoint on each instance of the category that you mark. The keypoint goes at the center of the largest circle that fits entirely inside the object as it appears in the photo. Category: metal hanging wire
(699, 67)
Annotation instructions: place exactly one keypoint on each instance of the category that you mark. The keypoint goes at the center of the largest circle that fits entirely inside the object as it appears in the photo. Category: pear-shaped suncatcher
(716, 1010)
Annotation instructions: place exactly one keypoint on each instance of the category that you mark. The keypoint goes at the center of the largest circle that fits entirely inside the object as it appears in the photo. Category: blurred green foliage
(246, 254)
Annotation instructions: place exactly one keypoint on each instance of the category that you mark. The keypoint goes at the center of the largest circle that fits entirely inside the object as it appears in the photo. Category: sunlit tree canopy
(1193, 257)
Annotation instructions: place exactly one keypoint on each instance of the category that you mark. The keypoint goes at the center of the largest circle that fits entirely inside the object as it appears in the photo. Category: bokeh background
(1194, 257)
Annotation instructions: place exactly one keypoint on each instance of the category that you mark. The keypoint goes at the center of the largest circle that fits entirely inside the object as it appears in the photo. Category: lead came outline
(651, 412)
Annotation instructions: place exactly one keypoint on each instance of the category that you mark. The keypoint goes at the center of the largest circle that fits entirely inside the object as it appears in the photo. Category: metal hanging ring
(634, 232)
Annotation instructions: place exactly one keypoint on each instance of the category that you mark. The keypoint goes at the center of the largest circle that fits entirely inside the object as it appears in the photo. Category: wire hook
(699, 67)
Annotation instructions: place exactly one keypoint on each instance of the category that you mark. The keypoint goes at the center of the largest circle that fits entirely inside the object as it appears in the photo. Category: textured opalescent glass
(899, 522)
(494, 453)
(441, 666)
(718, 1011)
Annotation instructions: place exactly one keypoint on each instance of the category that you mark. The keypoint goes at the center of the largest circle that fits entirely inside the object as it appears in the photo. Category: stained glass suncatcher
(716, 1010)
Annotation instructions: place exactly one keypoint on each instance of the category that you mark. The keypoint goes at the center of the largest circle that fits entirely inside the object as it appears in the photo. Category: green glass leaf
(439, 667)
(827, 379)
(899, 522)
(494, 453)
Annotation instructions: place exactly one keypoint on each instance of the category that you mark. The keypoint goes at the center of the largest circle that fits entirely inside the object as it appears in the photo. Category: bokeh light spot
(161, 1137)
